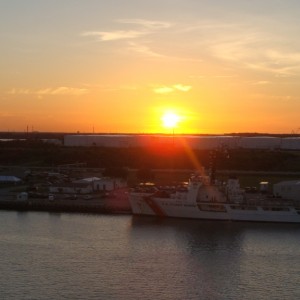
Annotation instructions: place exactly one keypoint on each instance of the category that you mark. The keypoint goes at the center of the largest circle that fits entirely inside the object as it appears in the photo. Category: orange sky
(111, 67)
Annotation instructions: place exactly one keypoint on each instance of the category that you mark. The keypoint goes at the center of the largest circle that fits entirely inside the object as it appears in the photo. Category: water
(78, 256)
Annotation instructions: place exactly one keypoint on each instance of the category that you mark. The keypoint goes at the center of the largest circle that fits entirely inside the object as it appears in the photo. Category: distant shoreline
(60, 135)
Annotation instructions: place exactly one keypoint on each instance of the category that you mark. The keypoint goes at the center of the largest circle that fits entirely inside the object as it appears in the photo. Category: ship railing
(199, 179)
(272, 202)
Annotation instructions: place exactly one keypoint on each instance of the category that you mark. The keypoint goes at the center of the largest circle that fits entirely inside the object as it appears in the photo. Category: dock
(115, 203)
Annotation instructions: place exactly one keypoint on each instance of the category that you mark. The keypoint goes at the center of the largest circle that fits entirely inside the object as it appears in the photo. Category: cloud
(144, 50)
(163, 90)
(275, 98)
(153, 25)
(224, 76)
(50, 91)
(266, 47)
(19, 92)
(171, 89)
(145, 27)
(253, 49)
(68, 91)
(115, 35)
(240, 45)
(182, 88)
(279, 62)
(261, 82)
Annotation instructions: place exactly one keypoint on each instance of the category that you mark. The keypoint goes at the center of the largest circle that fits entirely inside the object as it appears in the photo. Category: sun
(170, 119)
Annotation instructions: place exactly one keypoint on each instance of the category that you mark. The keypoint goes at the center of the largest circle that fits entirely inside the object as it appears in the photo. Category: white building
(193, 142)
(260, 142)
(287, 189)
(103, 184)
(72, 188)
(291, 143)
(9, 179)
(88, 185)
(23, 196)
(52, 141)
(115, 141)
(213, 142)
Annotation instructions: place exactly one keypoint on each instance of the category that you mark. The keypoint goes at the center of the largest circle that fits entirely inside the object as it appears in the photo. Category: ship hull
(151, 206)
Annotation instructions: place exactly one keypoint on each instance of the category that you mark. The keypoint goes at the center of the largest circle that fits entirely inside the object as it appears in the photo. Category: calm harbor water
(81, 256)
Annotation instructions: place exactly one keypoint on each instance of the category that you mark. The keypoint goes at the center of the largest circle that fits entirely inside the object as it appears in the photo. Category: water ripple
(77, 256)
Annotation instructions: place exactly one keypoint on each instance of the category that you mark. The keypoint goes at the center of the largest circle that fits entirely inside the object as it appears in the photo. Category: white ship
(201, 199)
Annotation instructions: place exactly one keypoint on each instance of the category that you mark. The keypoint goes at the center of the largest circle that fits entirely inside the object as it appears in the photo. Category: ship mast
(212, 165)
(213, 156)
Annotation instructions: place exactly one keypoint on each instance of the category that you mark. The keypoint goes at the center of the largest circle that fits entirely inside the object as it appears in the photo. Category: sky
(118, 66)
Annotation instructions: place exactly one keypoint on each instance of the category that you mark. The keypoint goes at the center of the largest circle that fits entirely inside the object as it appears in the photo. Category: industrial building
(88, 185)
(287, 189)
(9, 179)
(191, 141)
(103, 184)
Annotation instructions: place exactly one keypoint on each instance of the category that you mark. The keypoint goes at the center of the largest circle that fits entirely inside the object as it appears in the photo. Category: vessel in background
(205, 198)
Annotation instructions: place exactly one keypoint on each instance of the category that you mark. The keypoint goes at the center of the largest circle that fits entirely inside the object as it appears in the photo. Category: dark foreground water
(74, 256)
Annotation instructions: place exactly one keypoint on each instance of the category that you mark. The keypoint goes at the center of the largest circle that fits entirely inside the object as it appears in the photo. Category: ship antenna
(213, 155)
(212, 165)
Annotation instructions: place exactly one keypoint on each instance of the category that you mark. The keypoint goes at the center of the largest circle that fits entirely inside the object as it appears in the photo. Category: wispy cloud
(145, 27)
(50, 91)
(182, 88)
(246, 46)
(240, 45)
(143, 50)
(114, 35)
(153, 25)
(280, 62)
(110, 88)
(253, 49)
(171, 89)
(275, 98)
(261, 82)
(163, 90)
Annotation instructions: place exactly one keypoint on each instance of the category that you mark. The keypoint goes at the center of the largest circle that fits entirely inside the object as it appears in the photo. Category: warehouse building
(290, 143)
(193, 142)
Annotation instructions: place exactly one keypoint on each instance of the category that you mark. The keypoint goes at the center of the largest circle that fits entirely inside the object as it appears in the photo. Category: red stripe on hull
(157, 210)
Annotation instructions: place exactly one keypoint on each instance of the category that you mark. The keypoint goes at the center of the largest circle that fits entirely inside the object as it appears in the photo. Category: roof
(87, 180)
(9, 178)
(71, 185)
(288, 182)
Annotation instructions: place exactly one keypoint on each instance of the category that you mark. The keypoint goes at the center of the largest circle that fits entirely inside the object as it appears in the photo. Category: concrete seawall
(116, 203)
(62, 207)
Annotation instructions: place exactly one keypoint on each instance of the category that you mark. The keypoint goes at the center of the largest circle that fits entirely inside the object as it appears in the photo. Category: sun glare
(170, 120)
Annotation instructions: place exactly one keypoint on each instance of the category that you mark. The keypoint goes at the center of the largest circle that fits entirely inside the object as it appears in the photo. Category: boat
(204, 198)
